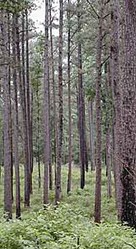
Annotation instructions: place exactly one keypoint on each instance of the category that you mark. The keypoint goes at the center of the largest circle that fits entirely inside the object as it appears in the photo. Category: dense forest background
(67, 124)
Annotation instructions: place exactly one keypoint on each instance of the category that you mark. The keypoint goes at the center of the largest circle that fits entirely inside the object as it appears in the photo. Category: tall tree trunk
(6, 117)
(97, 213)
(26, 135)
(46, 108)
(38, 136)
(128, 175)
(91, 124)
(69, 103)
(31, 134)
(117, 105)
(9, 81)
(15, 131)
(108, 126)
(50, 144)
(28, 103)
(85, 139)
(60, 110)
(108, 161)
(54, 90)
(81, 103)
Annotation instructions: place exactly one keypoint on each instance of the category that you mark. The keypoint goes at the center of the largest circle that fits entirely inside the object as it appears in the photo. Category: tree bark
(97, 212)
(117, 105)
(15, 114)
(46, 108)
(60, 109)
(128, 175)
(81, 104)
(6, 116)
(28, 103)
(53, 83)
(69, 182)
(25, 119)
(91, 125)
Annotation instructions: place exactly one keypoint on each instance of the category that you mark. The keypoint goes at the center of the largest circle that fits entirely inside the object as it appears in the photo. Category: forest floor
(71, 224)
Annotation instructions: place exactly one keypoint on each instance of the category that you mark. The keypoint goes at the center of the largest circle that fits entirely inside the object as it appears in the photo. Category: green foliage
(90, 93)
(14, 6)
(70, 225)
(63, 227)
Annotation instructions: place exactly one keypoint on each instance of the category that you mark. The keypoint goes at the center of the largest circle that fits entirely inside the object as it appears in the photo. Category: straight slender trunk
(50, 144)
(46, 109)
(81, 104)
(91, 125)
(117, 105)
(60, 108)
(108, 161)
(6, 117)
(108, 126)
(9, 81)
(15, 114)
(97, 212)
(28, 103)
(25, 121)
(128, 174)
(31, 133)
(69, 182)
(54, 86)
(38, 136)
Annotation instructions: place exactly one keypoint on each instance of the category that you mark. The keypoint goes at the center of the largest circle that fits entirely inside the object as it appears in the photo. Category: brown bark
(9, 82)
(108, 162)
(46, 109)
(25, 121)
(38, 135)
(69, 182)
(81, 104)
(108, 126)
(15, 114)
(60, 108)
(28, 103)
(128, 175)
(97, 213)
(6, 116)
(91, 126)
(53, 83)
(117, 105)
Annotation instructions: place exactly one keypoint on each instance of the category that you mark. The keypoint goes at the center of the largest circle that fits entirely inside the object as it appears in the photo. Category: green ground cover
(68, 226)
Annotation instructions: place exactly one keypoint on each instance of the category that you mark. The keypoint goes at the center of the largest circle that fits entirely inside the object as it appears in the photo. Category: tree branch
(105, 61)
(93, 9)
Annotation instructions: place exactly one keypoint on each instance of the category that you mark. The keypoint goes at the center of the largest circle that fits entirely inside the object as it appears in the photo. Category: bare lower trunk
(60, 121)
(81, 110)
(9, 82)
(98, 119)
(46, 110)
(28, 103)
(69, 105)
(25, 120)
(6, 117)
(117, 105)
(108, 162)
(128, 175)
(54, 87)
(15, 131)
(91, 124)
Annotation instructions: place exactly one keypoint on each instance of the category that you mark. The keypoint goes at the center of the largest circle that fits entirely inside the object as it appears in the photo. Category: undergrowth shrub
(63, 227)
